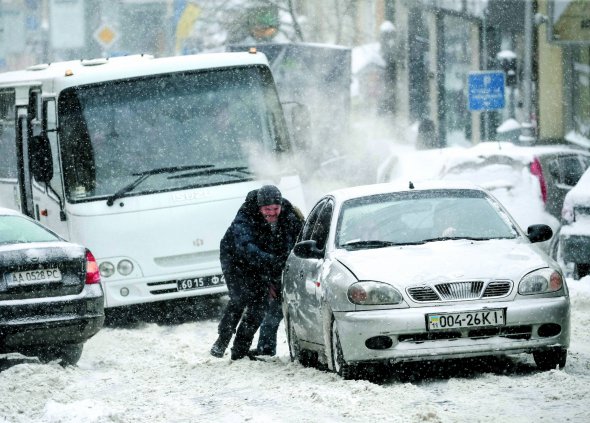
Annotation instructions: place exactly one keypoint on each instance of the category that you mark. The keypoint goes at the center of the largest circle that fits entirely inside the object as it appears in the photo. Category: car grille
(458, 291)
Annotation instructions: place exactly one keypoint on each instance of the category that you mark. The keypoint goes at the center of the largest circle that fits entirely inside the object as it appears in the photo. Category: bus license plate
(201, 282)
(29, 277)
(469, 319)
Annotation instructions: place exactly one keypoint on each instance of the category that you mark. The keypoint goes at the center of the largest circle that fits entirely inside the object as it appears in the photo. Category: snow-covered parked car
(51, 300)
(572, 245)
(530, 181)
(429, 271)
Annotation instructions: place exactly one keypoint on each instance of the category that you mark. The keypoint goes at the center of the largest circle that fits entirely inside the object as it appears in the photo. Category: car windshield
(421, 216)
(16, 229)
(113, 133)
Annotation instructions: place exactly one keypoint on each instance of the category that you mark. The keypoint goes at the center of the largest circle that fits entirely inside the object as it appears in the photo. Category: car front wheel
(550, 359)
(346, 371)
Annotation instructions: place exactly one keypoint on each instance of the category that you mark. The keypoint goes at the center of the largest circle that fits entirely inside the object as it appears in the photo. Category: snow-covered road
(162, 372)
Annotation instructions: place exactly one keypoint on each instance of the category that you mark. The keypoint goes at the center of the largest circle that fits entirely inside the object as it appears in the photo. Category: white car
(572, 245)
(431, 271)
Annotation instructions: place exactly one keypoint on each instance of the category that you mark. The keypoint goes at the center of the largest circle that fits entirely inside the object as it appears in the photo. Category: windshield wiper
(447, 238)
(367, 244)
(223, 170)
(146, 174)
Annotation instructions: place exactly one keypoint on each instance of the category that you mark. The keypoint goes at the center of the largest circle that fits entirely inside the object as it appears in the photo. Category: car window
(322, 227)
(572, 169)
(416, 217)
(16, 229)
(311, 220)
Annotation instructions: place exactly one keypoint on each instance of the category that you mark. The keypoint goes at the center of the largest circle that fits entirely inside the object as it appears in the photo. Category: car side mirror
(308, 250)
(41, 159)
(539, 233)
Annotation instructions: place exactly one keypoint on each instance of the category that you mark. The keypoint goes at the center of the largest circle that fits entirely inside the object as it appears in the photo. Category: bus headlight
(125, 267)
(106, 269)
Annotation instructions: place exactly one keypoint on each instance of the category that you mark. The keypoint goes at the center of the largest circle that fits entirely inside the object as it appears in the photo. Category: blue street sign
(486, 90)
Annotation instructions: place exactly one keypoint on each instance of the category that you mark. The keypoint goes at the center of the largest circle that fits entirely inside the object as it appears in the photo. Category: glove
(273, 291)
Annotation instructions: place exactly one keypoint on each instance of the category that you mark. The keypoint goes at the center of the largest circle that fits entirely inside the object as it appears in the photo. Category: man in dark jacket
(253, 252)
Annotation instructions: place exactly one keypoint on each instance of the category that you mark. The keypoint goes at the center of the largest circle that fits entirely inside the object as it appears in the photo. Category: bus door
(24, 173)
(44, 171)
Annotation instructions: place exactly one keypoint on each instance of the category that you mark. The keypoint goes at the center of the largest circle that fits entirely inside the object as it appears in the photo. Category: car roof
(508, 152)
(10, 212)
(523, 151)
(344, 194)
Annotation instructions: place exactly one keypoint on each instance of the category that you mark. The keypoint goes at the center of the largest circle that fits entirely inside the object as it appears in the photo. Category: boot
(219, 347)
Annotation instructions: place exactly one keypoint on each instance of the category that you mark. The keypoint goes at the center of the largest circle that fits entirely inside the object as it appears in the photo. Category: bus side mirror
(41, 159)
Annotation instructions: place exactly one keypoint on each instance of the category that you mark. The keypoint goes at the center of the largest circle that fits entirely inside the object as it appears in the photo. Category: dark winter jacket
(251, 249)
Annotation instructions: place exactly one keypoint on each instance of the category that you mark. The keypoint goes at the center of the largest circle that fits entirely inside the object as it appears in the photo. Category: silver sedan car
(432, 271)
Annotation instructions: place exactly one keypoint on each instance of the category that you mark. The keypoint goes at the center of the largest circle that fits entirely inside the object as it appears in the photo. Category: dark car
(571, 246)
(51, 300)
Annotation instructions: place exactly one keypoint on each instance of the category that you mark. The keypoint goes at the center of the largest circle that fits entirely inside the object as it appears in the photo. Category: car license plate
(201, 282)
(469, 319)
(29, 277)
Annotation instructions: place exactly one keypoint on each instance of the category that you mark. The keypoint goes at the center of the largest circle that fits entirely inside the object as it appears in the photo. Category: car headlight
(373, 293)
(107, 269)
(125, 267)
(540, 282)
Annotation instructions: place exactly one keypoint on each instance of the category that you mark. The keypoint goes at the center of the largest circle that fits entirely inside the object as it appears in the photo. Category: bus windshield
(167, 132)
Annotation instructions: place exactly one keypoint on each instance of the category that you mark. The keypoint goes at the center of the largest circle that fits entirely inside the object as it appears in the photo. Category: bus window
(219, 119)
(8, 167)
(76, 149)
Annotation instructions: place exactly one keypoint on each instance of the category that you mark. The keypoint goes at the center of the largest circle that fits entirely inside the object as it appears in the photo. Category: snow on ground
(160, 370)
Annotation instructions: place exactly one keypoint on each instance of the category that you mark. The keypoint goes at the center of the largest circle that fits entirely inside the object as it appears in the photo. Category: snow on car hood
(444, 260)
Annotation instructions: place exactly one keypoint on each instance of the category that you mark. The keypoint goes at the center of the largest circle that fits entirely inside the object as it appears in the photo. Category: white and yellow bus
(144, 160)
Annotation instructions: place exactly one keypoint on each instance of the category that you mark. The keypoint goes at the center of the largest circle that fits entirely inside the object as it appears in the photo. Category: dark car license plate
(200, 282)
(30, 277)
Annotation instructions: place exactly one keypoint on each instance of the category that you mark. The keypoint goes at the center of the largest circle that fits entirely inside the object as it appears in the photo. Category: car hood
(444, 260)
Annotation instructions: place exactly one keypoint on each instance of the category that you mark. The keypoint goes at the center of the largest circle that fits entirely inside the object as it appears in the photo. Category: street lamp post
(528, 136)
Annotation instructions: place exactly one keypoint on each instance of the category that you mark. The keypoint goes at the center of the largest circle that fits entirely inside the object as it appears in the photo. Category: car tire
(550, 359)
(68, 354)
(581, 270)
(343, 369)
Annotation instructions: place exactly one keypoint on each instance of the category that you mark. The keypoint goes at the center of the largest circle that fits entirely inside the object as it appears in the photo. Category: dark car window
(15, 229)
(572, 170)
(311, 220)
(322, 227)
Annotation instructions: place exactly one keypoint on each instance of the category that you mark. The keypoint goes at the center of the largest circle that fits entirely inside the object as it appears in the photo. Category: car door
(309, 274)
(295, 280)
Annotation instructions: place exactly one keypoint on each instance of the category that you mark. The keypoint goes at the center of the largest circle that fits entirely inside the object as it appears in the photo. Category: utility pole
(527, 136)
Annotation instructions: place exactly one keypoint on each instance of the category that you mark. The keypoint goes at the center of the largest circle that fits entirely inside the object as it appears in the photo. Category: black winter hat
(267, 195)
